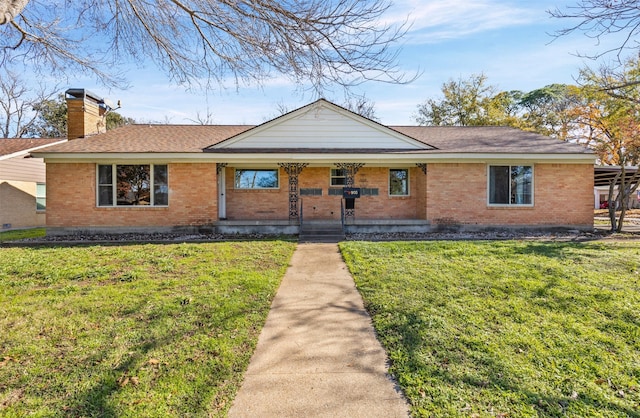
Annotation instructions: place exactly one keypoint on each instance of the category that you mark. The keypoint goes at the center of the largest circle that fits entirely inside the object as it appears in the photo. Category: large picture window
(510, 185)
(256, 179)
(133, 185)
(398, 182)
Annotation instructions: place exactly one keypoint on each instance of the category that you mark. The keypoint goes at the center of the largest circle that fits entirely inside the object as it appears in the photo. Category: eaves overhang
(29, 150)
(318, 158)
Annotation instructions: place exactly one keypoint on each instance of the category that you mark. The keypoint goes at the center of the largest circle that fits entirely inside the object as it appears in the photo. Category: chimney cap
(83, 93)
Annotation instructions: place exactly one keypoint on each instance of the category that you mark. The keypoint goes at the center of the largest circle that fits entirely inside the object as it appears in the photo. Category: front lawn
(508, 329)
(16, 234)
(132, 330)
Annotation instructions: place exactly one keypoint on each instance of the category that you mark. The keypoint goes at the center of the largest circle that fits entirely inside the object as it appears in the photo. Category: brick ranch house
(297, 170)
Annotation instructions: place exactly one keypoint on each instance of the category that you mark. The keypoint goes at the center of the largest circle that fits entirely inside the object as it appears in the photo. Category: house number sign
(351, 192)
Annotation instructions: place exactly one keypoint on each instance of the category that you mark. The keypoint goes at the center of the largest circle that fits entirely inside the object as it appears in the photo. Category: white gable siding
(323, 128)
(20, 168)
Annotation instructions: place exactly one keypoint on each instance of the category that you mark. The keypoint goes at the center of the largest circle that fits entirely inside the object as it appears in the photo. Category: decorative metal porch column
(220, 167)
(293, 170)
(350, 170)
(422, 166)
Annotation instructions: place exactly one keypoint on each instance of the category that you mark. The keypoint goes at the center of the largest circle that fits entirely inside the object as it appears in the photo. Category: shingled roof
(488, 139)
(13, 145)
(152, 139)
(195, 138)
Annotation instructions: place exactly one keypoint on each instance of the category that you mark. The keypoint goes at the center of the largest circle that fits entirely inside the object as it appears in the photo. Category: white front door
(222, 200)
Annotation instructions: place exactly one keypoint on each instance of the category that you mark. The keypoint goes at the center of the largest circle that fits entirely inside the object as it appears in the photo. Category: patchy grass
(630, 213)
(132, 330)
(517, 329)
(16, 234)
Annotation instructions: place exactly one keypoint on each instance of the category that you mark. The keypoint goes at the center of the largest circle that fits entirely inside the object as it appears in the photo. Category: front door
(222, 200)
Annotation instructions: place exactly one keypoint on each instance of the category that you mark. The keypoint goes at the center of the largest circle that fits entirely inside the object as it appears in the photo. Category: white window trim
(38, 196)
(408, 182)
(331, 177)
(114, 184)
(511, 205)
(277, 170)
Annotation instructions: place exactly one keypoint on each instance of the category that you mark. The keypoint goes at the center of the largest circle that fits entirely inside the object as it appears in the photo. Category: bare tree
(600, 18)
(18, 105)
(203, 119)
(355, 103)
(362, 106)
(202, 42)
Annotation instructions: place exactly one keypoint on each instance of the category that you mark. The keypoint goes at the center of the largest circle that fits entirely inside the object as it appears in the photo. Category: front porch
(275, 227)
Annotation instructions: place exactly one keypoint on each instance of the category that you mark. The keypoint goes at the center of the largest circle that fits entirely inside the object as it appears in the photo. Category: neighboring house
(295, 168)
(22, 182)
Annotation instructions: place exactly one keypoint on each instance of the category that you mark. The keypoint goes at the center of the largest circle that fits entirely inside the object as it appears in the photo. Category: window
(368, 191)
(310, 192)
(256, 179)
(41, 196)
(338, 177)
(510, 185)
(133, 185)
(399, 182)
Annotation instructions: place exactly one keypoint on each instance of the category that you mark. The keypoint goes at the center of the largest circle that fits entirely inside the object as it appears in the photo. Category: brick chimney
(85, 114)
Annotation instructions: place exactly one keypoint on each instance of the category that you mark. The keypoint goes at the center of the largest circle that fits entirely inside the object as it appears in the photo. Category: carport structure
(605, 176)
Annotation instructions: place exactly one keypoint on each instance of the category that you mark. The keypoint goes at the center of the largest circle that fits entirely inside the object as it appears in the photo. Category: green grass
(518, 329)
(21, 234)
(132, 330)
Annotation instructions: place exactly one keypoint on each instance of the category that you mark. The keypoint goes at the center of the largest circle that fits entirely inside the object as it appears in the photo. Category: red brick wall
(267, 204)
(71, 199)
(449, 193)
(385, 206)
(420, 179)
(563, 195)
(319, 207)
(274, 204)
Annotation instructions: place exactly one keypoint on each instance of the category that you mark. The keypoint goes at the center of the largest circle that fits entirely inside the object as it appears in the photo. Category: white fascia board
(154, 157)
(493, 158)
(314, 158)
(400, 157)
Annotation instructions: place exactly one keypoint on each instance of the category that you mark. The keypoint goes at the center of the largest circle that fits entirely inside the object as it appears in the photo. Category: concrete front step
(321, 232)
(321, 238)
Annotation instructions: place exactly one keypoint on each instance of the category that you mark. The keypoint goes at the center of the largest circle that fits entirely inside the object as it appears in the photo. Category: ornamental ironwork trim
(293, 170)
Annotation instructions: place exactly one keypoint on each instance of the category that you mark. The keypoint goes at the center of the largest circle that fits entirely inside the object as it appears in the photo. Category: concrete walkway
(317, 355)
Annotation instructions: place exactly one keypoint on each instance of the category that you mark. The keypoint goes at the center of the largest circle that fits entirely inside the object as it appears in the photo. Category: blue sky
(509, 41)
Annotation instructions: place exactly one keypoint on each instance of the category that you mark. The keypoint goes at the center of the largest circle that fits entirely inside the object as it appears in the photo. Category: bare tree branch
(600, 18)
(18, 105)
(206, 42)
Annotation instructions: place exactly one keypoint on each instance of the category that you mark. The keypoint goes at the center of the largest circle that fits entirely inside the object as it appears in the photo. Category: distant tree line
(29, 114)
(602, 112)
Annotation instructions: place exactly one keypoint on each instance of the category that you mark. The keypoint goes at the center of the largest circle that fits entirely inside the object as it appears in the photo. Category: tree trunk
(625, 189)
(612, 203)
(622, 197)
(629, 189)
(9, 9)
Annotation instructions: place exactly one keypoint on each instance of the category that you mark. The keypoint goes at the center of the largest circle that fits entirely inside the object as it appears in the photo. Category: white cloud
(435, 20)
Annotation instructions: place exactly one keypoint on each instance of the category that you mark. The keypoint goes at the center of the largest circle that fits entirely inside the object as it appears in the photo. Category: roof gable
(321, 125)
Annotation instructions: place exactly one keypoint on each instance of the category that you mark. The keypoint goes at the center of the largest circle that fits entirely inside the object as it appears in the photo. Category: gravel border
(142, 238)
